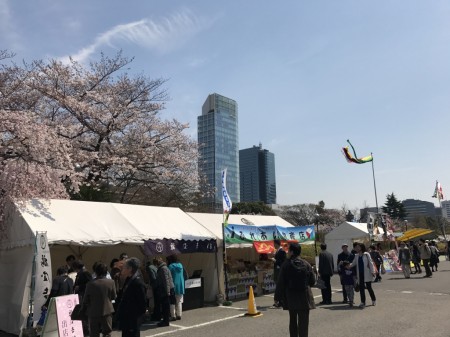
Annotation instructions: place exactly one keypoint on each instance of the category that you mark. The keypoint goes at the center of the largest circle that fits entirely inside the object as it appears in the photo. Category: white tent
(92, 231)
(346, 232)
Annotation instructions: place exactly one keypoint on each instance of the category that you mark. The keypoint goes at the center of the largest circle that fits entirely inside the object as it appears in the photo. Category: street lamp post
(406, 225)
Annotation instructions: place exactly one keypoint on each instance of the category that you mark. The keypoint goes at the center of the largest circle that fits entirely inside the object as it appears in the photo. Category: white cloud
(162, 35)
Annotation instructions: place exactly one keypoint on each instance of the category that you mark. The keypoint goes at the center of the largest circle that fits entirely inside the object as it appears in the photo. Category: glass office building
(219, 147)
(257, 175)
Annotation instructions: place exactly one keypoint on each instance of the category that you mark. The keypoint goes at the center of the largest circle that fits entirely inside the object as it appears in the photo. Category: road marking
(194, 326)
(227, 307)
(406, 292)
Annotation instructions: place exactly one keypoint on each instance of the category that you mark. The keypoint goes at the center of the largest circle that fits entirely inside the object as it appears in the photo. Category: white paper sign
(193, 283)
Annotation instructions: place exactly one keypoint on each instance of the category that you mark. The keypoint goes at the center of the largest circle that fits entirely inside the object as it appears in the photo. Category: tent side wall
(344, 233)
(15, 287)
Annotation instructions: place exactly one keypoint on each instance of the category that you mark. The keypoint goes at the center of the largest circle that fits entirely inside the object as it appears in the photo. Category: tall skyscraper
(219, 146)
(257, 174)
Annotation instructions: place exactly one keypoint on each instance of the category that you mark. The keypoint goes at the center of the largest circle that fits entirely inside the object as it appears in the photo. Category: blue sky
(307, 75)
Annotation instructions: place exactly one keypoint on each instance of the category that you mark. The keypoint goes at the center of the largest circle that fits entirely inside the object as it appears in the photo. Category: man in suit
(97, 300)
(294, 290)
(326, 269)
(133, 304)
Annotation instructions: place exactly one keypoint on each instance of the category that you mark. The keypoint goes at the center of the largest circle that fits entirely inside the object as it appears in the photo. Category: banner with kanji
(249, 234)
(169, 247)
(42, 274)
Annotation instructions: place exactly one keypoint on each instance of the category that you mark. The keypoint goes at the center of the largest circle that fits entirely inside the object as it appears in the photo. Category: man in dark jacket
(294, 289)
(278, 260)
(61, 285)
(345, 255)
(97, 300)
(165, 288)
(133, 305)
(326, 268)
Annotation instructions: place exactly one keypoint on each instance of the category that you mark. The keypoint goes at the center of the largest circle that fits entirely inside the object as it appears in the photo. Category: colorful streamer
(355, 159)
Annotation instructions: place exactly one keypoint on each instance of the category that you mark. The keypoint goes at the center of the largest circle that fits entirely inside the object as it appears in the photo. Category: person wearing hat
(345, 255)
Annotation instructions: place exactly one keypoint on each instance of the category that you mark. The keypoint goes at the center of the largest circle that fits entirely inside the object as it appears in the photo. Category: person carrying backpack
(294, 290)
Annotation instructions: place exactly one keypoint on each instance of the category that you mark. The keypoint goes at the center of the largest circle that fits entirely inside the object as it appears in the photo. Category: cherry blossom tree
(34, 160)
(68, 125)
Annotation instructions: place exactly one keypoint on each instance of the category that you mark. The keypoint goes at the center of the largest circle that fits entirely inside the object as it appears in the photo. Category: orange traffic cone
(252, 305)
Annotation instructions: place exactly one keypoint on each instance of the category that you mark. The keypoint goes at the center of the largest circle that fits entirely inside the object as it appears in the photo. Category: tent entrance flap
(169, 246)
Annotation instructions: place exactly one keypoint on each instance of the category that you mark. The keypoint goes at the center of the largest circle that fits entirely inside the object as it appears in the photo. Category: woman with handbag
(364, 273)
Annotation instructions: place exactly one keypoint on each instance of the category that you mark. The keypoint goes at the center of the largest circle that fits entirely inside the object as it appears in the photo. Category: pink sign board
(64, 308)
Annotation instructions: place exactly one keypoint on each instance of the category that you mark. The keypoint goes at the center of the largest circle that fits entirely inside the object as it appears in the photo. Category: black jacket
(133, 302)
(294, 285)
(280, 257)
(326, 263)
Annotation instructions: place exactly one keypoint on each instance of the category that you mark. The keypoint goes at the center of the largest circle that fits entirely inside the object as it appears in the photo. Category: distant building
(219, 147)
(446, 209)
(415, 208)
(257, 175)
(364, 212)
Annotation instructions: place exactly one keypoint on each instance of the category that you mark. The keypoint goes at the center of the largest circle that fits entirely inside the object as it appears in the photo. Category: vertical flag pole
(227, 205)
(440, 195)
(374, 185)
(376, 201)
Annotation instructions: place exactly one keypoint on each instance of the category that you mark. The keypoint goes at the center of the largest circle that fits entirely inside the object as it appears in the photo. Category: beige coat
(368, 267)
(98, 296)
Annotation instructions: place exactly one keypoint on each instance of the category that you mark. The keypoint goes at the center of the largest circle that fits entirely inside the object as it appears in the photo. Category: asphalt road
(405, 307)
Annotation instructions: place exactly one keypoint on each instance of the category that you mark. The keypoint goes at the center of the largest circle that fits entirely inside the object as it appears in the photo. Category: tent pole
(225, 261)
(32, 286)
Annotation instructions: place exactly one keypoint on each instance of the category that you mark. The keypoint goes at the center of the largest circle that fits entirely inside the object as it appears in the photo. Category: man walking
(278, 259)
(345, 255)
(404, 256)
(293, 287)
(425, 254)
(326, 268)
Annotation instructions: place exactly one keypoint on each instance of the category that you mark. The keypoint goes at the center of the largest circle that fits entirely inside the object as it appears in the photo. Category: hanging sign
(169, 247)
(43, 274)
(250, 234)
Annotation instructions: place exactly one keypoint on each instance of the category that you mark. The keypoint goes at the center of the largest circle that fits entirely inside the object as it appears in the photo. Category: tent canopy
(99, 224)
(414, 234)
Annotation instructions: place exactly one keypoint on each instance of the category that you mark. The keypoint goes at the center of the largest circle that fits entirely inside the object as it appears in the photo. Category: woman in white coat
(364, 273)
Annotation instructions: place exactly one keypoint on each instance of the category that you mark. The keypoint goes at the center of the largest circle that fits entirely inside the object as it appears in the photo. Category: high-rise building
(219, 147)
(446, 209)
(257, 175)
(414, 208)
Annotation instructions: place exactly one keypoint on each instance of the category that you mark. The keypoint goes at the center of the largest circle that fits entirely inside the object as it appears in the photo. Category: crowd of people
(357, 269)
(119, 296)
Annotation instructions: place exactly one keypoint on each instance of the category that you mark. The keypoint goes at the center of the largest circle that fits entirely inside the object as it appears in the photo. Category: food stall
(248, 251)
